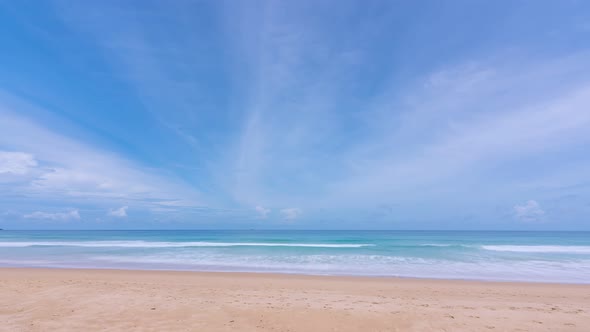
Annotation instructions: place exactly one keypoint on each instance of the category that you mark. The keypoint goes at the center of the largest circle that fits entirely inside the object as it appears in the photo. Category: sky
(315, 114)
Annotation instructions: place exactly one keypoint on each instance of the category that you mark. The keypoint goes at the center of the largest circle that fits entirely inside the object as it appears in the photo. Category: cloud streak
(16, 163)
(54, 216)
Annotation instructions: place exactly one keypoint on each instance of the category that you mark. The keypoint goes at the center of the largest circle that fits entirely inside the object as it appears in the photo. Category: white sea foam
(577, 270)
(539, 249)
(370, 265)
(148, 244)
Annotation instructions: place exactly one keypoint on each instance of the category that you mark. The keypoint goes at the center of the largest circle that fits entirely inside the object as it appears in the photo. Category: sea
(562, 257)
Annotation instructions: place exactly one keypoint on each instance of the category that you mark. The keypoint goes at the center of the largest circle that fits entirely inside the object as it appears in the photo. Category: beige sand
(91, 300)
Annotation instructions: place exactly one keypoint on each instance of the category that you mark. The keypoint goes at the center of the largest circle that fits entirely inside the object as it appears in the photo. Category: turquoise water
(514, 256)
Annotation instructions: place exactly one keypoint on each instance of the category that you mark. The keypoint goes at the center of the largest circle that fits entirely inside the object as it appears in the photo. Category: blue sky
(295, 114)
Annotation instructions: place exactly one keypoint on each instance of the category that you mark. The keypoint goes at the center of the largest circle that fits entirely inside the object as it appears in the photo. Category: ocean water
(502, 256)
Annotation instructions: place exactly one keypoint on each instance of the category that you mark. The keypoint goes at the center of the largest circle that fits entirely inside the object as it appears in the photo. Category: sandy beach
(113, 300)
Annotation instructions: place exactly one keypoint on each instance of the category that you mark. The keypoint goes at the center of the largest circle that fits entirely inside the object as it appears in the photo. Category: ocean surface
(502, 256)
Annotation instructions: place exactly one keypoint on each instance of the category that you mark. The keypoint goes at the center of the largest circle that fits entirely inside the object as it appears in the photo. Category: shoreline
(41, 299)
(292, 274)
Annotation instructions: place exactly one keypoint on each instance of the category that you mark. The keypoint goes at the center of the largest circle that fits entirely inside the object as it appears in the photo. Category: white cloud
(291, 213)
(529, 211)
(64, 168)
(18, 163)
(119, 213)
(262, 211)
(57, 216)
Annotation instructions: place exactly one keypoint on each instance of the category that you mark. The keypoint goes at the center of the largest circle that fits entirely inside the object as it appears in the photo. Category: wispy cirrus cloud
(160, 69)
(458, 121)
(471, 143)
(306, 142)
